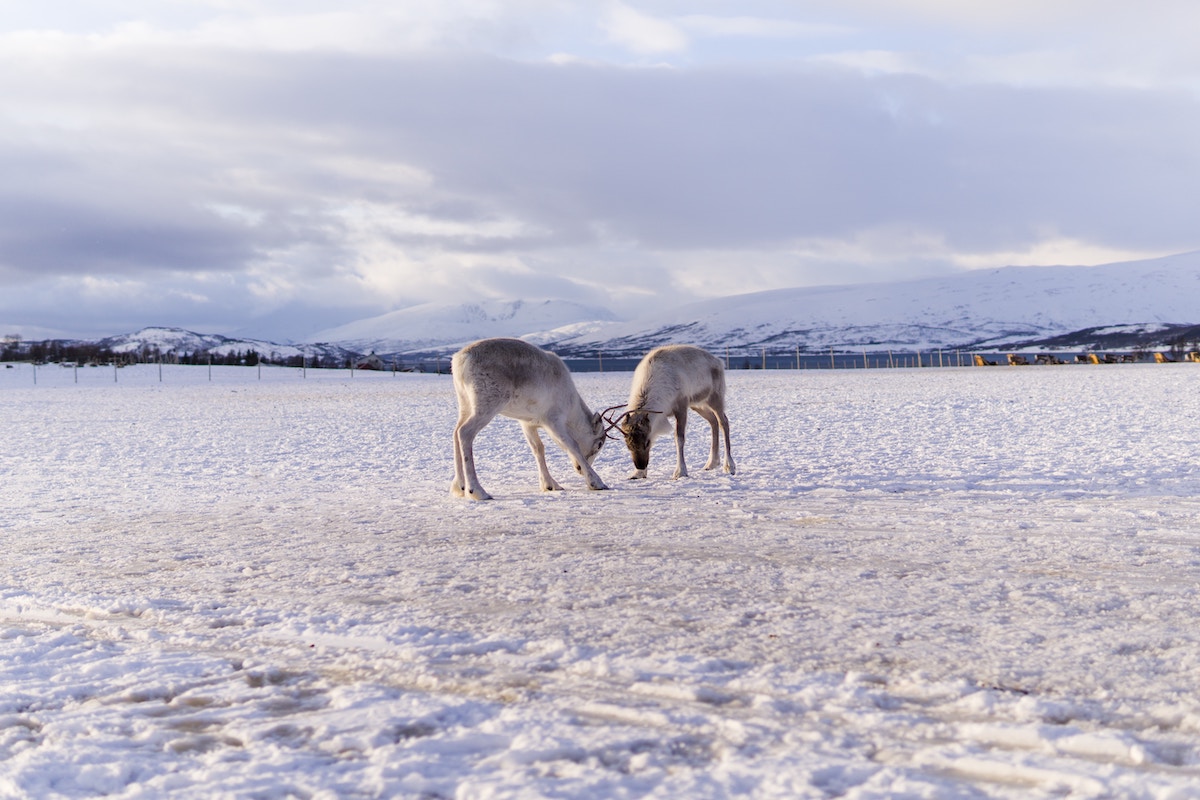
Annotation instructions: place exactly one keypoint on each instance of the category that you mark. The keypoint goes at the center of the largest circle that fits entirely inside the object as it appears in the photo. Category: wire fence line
(14, 374)
(776, 360)
(799, 359)
(27, 373)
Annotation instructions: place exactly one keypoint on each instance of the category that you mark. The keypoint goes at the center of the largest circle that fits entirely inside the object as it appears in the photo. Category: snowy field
(921, 583)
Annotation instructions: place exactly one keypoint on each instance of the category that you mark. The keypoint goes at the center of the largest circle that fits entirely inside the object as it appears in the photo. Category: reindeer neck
(651, 398)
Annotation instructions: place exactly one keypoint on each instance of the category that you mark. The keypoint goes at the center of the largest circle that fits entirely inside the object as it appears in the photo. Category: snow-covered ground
(921, 583)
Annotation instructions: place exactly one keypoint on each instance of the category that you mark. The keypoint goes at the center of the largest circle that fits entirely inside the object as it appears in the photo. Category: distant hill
(1129, 304)
(178, 342)
(435, 327)
(1138, 304)
(447, 326)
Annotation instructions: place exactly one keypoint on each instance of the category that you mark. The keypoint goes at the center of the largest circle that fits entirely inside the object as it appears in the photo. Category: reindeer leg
(714, 455)
(680, 427)
(458, 487)
(464, 445)
(729, 466)
(548, 483)
(716, 402)
(594, 481)
(562, 436)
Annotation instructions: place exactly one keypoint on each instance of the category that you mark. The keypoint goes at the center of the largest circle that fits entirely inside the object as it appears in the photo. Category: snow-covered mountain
(1146, 303)
(999, 308)
(446, 326)
(1002, 308)
(177, 341)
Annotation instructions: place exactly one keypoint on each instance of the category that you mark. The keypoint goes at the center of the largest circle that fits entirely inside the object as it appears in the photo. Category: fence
(27, 373)
(13, 374)
(766, 358)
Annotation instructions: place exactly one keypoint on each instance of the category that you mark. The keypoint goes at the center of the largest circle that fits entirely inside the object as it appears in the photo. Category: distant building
(370, 362)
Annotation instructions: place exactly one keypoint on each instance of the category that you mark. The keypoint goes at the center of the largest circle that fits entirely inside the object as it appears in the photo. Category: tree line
(50, 351)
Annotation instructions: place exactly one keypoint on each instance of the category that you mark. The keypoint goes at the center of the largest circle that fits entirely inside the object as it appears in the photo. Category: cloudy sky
(280, 166)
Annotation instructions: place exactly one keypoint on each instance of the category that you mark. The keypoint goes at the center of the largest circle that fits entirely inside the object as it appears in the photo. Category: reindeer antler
(615, 421)
(612, 421)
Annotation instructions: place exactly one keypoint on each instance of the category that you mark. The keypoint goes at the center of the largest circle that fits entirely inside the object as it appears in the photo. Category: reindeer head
(637, 429)
(599, 434)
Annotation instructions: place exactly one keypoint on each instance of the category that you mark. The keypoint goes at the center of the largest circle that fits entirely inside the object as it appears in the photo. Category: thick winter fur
(533, 386)
(667, 382)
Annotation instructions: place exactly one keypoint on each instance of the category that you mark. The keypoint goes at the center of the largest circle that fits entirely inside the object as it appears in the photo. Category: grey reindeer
(519, 380)
(667, 382)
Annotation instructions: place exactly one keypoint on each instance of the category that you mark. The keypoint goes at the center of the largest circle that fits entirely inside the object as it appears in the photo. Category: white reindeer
(533, 386)
(667, 382)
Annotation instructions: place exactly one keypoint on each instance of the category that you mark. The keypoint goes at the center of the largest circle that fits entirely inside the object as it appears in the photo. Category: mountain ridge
(1152, 303)
(436, 326)
(984, 309)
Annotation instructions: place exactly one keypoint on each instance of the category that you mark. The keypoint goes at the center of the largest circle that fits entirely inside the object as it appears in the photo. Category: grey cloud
(707, 158)
(590, 159)
(71, 238)
(699, 158)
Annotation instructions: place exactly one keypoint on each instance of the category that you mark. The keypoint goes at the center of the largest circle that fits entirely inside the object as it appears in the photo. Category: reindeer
(667, 382)
(533, 386)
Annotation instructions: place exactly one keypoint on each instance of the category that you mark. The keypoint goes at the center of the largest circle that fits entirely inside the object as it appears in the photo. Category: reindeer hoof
(456, 490)
(478, 494)
(638, 475)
